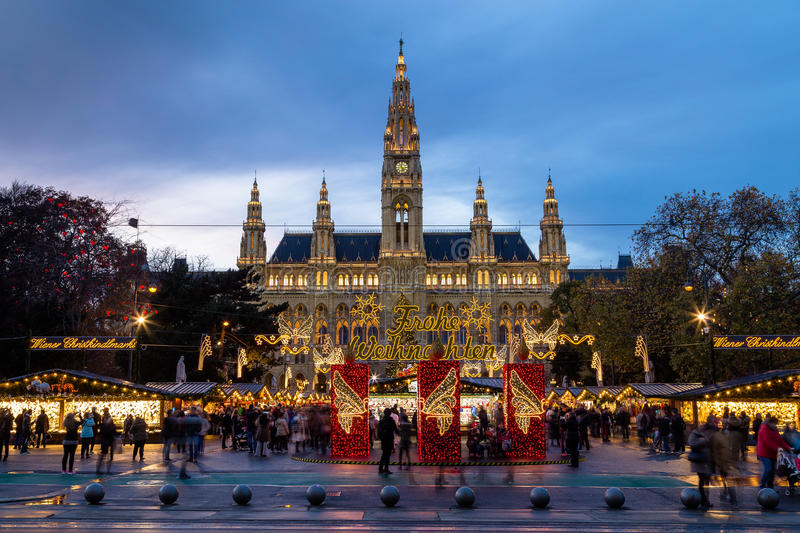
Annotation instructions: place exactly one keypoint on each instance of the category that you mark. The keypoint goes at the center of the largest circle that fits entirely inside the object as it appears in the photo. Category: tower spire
(482, 245)
(253, 248)
(552, 244)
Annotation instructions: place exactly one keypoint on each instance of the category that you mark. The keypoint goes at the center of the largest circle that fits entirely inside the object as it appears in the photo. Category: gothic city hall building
(325, 273)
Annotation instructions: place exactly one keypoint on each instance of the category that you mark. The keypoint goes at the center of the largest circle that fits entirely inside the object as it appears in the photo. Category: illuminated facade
(320, 273)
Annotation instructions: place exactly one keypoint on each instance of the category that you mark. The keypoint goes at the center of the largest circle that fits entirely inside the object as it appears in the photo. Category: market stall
(59, 392)
(776, 392)
(658, 396)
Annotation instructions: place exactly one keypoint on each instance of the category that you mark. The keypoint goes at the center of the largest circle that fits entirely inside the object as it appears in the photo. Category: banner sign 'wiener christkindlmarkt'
(83, 343)
(756, 342)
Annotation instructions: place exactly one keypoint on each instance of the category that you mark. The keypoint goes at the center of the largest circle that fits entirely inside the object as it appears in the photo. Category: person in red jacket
(769, 440)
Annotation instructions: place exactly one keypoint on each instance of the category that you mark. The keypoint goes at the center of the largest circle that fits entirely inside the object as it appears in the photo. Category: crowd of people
(717, 448)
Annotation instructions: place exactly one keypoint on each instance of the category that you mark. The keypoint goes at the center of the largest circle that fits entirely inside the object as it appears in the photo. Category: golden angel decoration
(348, 403)
(440, 403)
(526, 404)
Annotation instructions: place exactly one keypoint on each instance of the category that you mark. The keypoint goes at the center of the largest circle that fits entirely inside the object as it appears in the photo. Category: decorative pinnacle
(255, 177)
(548, 176)
(323, 176)
(401, 44)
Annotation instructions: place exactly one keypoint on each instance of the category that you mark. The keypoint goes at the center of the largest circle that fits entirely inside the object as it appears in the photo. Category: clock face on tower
(401, 167)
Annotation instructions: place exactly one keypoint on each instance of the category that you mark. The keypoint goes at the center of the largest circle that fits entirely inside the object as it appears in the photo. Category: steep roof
(187, 388)
(439, 246)
(612, 275)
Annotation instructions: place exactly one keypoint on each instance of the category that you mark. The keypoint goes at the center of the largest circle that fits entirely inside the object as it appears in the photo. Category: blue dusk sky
(171, 105)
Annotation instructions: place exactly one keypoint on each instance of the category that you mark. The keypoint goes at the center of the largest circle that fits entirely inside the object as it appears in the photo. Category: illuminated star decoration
(476, 313)
(330, 355)
(205, 351)
(526, 404)
(348, 403)
(367, 308)
(439, 403)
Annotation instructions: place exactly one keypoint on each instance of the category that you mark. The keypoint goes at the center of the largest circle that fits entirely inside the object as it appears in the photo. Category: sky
(171, 107)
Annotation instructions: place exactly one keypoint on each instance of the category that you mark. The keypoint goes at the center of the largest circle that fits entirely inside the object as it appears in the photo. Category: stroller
(789, 468)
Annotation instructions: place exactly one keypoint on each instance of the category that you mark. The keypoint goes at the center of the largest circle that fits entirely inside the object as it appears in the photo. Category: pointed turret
(401, 176)
(482, 245)
(253, 247)
(322, 245)
(553, 244)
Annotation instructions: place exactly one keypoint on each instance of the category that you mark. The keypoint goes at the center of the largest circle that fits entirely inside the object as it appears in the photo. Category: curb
(484, 463)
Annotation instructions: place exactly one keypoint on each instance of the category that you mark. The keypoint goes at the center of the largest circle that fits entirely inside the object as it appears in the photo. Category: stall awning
(771, 384)
(57, 381)
(657, 390)
(186, 388)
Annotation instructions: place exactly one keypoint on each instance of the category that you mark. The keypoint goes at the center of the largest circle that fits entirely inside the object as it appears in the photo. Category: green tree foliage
(62, 272)
(191, 303)
(740, 256)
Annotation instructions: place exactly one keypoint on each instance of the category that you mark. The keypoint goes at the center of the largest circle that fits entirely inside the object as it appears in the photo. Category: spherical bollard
(540, 498)
(614, 497)
(465, 497)
(94, 493)
(242, 494)
(690, 498)
(168, 494)
(390, 495)
(315, 494)
(768, 498)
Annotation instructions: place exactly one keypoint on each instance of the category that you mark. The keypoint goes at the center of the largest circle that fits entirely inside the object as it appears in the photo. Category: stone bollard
(768, 498)
(390, 495)
(614, 497)
(94, 493)
(168, 494)
(540, 498)
(315, 494)
(465, 497)
(691, 498)
(242, 494)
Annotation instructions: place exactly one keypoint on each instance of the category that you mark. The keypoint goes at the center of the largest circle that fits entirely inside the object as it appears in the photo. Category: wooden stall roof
(185, 388)
(659, 390)
(53, 376)
(757, 385)
(257, 390)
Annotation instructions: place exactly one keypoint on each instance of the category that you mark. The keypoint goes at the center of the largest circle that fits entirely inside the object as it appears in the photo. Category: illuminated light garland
(149, 410)
(272, 339)
(330, 355)
(205, 351)
(241, 361)
(439, 399)
(300, 335)
(641, 351)
(51, 409)
(523, 394)
(785, 412)
(349, 420)
(471, 369)
(597, 364)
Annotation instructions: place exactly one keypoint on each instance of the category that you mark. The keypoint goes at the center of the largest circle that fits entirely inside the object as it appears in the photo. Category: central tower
(401, 176)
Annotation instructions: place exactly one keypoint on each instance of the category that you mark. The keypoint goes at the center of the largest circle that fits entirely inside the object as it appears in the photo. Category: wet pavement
(35, 495)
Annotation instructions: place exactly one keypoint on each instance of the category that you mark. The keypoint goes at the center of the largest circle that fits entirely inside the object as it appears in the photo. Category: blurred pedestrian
(767, 445)
(87, 434)
(42, 427)
(6, 423)
(572, 439)
(405, 439)
(701, 457)
(138, 436)
(108, 432)
(387, 429)
(70, 443)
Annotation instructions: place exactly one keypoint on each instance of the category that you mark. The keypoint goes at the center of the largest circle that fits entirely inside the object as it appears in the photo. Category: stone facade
(322, 272)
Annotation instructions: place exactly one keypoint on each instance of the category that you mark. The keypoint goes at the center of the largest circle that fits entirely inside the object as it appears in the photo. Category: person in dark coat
(387, 429)
(584, 420)
(138, 434)
(664, 424)
(701, 457)
(405, 440)
(42, 427)
(678, 427)
(108, 431)
(572, 438)
(6, 422)
(483, 418)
